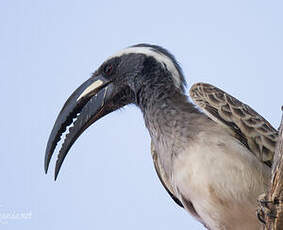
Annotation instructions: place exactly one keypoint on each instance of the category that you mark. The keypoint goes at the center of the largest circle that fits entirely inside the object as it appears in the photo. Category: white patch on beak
(90, 88)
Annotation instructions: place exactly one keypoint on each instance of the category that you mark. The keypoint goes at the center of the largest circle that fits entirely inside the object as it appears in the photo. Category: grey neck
(168, 115)
(172, 122)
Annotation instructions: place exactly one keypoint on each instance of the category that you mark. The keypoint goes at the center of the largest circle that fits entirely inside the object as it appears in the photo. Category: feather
(242, 121)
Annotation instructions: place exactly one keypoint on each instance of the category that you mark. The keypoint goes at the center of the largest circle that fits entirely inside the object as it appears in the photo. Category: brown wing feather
(243, 122)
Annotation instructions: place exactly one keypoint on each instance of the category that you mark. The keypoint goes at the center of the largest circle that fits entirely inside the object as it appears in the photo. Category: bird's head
(117, 82)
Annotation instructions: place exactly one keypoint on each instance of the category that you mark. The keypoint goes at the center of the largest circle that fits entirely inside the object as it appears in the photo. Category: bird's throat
(167, 112)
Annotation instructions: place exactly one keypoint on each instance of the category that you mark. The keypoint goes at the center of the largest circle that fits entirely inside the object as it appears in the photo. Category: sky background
(48, 48)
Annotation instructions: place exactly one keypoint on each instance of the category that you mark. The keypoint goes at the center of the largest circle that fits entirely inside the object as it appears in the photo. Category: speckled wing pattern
(240, 119)
(162, 176)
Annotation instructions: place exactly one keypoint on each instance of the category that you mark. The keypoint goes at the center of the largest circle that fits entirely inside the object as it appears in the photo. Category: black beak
(92, 100)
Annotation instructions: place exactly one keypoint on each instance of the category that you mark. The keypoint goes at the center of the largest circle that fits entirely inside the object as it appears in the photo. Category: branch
(274, 204)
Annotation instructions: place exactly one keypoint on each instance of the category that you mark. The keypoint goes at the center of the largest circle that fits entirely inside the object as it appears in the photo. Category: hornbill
(214, 160)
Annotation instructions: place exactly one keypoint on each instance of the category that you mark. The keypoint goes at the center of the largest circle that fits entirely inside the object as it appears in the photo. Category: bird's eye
(108, 69)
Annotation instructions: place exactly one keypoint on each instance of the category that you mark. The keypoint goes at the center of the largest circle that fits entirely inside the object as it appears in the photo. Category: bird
(212, 153)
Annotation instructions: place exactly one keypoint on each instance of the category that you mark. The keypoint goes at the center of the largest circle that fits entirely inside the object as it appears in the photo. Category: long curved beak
(91, 102)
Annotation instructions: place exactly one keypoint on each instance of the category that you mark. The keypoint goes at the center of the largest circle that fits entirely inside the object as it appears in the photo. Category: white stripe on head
(160, 57)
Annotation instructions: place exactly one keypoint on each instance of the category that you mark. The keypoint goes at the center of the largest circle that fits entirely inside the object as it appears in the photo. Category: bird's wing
(240, 119)
(162, 176)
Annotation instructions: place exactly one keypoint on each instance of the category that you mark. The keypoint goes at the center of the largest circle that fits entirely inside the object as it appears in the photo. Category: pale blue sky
(48, 48)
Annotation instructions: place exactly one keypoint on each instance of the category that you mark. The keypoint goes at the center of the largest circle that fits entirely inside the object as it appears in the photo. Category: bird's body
(224, 192)
(214, 165)
(211, 172)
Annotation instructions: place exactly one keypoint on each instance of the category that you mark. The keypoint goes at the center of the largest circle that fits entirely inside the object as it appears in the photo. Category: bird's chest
(218, 177)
